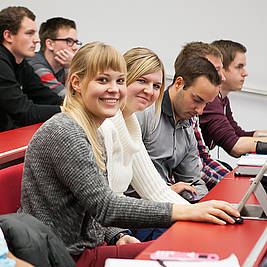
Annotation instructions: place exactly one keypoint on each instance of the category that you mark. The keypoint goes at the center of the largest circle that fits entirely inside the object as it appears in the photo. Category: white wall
(165, 26)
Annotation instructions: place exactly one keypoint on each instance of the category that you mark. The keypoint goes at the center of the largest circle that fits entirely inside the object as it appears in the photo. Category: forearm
(246, 145)
(148, 182)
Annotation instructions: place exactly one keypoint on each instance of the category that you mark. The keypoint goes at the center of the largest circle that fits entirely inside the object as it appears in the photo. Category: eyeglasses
(70, 42)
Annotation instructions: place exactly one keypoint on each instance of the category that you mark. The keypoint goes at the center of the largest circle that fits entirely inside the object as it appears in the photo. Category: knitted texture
(129, 163)
(63, 187)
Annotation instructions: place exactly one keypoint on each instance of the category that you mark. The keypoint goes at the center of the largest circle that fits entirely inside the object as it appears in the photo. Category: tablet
(255, 211)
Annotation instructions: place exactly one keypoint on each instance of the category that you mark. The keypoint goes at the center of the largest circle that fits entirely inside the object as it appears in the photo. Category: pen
(161, 263)
(194, 183)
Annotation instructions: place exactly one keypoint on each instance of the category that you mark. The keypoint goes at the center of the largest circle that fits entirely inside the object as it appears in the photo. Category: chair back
(10, 188)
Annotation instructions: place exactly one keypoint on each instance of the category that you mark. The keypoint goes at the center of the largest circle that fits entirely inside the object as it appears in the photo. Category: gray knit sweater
(63, 187)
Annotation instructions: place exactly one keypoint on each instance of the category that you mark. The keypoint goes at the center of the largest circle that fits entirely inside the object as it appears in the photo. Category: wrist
(261, 147)
(118, 236)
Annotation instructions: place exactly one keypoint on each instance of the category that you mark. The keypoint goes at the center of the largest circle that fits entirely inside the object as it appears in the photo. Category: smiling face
(143, 92)
(235, 74)
(23, 43)
(104, 95)
(191, 101)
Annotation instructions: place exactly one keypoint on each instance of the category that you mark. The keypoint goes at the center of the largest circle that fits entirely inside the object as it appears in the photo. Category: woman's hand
(213, 211)
(126, 239)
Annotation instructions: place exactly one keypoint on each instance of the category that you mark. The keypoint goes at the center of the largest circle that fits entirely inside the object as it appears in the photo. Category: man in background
(217, 123)
(58, 45)
(212, 171)
(24, 100)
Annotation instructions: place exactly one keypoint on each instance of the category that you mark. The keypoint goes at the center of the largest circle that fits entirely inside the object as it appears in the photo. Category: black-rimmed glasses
(70, 42)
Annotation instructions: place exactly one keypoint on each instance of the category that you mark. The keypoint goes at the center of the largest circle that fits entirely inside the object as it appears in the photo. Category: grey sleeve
(189, 169)
(78, 170)
(110, 232)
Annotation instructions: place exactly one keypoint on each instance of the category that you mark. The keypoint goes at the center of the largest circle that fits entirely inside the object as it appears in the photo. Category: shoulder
(38, 61)
(214, 107)
(6, 61)
(60, 128)
(146, 116)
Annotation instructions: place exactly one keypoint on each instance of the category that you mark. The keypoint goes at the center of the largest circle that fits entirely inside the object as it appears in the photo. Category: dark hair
(11, 17)
(229, 49)
(199, 49)
(195, 67)
(49, 29)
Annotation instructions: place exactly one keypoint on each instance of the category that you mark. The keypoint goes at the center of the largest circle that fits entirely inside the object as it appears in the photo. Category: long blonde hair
(142, 61)
(91, 59)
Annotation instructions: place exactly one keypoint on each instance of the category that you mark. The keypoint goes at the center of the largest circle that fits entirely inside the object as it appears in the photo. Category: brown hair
(195, 49)
(49, 29)
(229, 49)
(195, 67)
(11, 17)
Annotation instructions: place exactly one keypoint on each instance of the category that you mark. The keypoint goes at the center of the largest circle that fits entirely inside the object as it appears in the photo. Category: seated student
(212, 171)
(169, 138)
(64, 182)
(58, 45)
(217, 123)
(128, 162)
(24, 100)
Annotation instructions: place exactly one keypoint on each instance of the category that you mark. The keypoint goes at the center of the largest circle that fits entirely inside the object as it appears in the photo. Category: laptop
(250, 211)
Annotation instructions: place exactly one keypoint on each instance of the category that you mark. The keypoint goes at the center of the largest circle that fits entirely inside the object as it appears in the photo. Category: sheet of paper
(252, 160)
(231, 261)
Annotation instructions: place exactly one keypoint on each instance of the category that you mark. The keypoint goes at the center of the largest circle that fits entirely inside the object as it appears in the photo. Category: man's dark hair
(196, 67)
(49, 29)
(229, 49)
(11, 17)
(199, 49)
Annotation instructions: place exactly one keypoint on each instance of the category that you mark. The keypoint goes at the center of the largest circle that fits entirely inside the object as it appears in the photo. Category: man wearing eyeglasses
(58, 45)
(24, 100)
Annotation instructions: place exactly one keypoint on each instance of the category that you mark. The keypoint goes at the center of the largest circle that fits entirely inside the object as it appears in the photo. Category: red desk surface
(210, 238)
(231, 190)
(13, 143)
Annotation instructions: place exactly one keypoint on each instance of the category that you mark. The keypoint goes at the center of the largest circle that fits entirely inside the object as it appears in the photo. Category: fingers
(126, 239)
(220, 212)
(225, 206)
(191, 189)
(181, 186)
(215, 220)
(64, 57)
